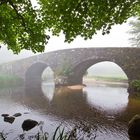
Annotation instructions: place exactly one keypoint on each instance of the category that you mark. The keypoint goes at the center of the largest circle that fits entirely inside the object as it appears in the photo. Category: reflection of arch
(80, 69)
(48, 90)
(96, 97)
(34, 73)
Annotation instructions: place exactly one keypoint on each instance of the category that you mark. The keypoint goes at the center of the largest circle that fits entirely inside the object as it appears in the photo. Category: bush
(135, 84)
(10, 80)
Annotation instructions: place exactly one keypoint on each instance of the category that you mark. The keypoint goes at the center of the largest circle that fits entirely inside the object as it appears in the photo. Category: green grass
(109, 78)
(10, 81)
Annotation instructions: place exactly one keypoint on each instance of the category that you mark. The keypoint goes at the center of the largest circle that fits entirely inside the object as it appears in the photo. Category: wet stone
(9, 119)
(29, 124)
(26, 112)
(17, 114)
(5, 115)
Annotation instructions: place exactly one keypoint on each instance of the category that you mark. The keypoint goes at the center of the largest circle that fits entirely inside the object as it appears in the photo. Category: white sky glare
(118, 37)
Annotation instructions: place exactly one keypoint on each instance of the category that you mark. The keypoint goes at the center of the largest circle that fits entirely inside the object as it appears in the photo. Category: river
(100, 112)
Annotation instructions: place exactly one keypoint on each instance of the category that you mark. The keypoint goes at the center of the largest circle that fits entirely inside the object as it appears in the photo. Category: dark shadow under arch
(34, 73)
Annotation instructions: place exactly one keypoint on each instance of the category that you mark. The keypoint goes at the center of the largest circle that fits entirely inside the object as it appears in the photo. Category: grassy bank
(108, 78)
(10, 81)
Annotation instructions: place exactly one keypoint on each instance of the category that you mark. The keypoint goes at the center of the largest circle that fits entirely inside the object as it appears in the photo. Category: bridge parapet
(70, 64)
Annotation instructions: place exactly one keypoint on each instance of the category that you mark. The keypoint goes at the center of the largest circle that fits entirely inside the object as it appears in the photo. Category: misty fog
(107, 69)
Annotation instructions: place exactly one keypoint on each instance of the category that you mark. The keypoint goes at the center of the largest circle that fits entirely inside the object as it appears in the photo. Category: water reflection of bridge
(68, 104)
(75, 106)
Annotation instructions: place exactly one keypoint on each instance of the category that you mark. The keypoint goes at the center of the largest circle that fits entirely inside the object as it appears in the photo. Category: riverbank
(100, 81)
(105, 81)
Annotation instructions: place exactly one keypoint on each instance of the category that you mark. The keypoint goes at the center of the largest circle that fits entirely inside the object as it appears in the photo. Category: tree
(23, 26)
(135, 31)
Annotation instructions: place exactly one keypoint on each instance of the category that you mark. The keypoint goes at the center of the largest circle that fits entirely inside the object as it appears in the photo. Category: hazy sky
(106, 68)
(117, 38)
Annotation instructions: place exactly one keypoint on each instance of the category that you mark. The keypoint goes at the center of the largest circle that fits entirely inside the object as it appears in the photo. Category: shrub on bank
(10, 80)
(135, 84)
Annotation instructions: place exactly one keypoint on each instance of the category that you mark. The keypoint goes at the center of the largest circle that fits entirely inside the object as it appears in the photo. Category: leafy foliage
(65, 69)
(85, 17)
(136, 85)
(23, 26)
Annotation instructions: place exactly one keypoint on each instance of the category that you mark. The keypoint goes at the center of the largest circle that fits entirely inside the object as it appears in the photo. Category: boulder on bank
(134, 126)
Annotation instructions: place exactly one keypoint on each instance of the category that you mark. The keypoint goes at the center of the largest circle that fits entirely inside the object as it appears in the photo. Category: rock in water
(29, 124)
(5, 115)
(17, 114)
(134, 126)
(9, 119)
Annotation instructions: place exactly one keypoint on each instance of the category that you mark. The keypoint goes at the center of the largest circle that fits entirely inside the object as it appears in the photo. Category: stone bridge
(70, 65)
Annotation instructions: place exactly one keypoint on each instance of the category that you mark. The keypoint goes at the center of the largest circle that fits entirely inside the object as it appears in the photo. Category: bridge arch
(33, 75)
(79, 70)
(105, 69)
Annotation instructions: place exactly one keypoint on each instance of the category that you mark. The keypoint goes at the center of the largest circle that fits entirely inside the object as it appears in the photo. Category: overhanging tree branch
(17, 13)
(74, 18)
(3, 1)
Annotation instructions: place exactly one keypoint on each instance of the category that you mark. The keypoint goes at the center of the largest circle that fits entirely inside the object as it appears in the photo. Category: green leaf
(23, 26)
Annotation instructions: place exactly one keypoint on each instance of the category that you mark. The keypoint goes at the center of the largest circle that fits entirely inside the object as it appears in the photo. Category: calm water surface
(105, 110)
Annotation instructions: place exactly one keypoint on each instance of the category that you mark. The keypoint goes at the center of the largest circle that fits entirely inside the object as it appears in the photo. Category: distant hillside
(106, 69)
